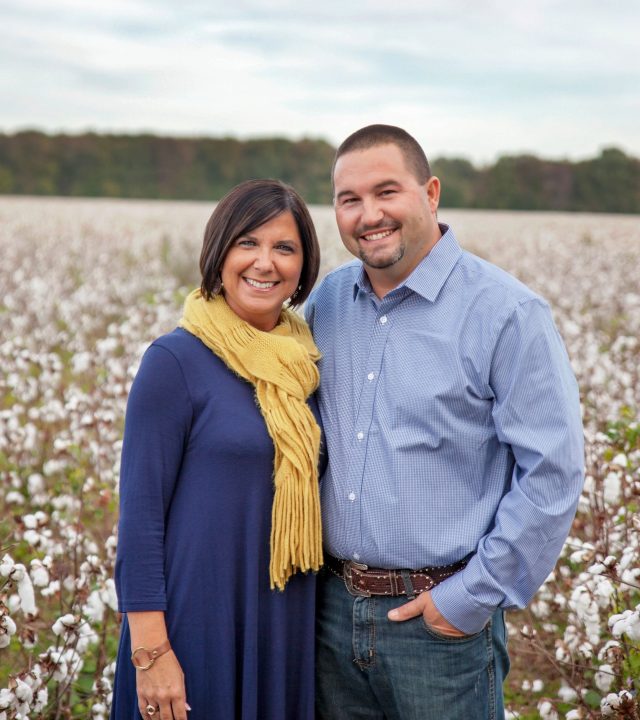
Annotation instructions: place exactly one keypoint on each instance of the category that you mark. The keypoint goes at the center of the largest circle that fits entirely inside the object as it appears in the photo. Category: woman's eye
(285, 248)
(245, 242)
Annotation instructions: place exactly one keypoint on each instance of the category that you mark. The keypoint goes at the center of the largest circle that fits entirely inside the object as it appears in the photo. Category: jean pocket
(455, 639)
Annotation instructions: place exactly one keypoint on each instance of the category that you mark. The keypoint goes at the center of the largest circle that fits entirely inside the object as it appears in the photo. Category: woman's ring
(151, 710)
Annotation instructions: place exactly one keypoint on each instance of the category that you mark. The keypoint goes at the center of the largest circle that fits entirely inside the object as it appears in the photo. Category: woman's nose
(263, 260)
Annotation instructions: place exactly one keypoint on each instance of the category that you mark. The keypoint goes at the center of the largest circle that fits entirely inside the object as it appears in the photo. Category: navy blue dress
(196, 492)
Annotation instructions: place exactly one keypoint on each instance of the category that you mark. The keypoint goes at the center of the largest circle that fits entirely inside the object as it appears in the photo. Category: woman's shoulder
(180, 343)
(195, 360)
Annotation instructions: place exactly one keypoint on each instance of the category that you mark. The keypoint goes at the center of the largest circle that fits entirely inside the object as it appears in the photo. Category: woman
(219, 495)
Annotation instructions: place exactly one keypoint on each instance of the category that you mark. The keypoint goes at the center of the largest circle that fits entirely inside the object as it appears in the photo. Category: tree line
(150, 166)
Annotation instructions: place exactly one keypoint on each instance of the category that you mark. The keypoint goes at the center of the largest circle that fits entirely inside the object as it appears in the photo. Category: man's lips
(377, 235)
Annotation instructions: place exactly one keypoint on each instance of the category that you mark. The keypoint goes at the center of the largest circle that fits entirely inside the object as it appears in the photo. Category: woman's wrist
(148, 629)
(143, 658)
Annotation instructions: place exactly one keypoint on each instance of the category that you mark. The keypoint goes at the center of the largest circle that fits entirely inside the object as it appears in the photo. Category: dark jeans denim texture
(369, 668)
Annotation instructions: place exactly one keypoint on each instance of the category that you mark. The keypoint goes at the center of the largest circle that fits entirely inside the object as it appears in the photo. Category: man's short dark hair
(374, 135)
(243, 209)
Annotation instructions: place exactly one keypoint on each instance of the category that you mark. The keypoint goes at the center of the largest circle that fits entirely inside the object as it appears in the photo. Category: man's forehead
(380, 163)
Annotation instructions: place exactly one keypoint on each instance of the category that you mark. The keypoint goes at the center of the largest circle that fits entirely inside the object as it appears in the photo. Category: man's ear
(432, 187)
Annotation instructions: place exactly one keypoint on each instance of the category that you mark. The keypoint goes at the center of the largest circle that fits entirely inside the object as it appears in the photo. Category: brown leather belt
(364, 581)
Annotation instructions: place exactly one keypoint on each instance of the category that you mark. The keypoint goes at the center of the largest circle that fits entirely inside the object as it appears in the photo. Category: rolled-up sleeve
(537, 414)
(158, 418)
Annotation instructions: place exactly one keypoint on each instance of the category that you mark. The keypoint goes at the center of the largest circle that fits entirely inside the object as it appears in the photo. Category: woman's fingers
(145, 705)
(179, 708)
(165, 710)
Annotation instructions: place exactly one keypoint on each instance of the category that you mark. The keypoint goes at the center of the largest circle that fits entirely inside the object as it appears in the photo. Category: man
(454, 438)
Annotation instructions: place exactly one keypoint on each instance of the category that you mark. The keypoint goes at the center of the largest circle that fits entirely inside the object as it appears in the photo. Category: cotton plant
(596, 647)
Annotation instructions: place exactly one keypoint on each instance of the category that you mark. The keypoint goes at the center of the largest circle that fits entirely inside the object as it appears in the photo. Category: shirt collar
(431, 272)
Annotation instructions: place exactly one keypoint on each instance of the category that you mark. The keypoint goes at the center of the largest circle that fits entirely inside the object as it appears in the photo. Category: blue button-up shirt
(453, 428)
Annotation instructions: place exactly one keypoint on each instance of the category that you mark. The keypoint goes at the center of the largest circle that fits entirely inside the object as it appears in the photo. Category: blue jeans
(369, 668)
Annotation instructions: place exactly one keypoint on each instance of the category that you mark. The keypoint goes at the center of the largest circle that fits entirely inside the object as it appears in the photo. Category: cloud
(477, 79)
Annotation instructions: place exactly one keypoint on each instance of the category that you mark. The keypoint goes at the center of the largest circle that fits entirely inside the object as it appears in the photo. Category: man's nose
(371, 212)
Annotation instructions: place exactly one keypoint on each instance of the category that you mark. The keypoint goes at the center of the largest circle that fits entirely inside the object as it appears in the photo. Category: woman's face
(262, 269)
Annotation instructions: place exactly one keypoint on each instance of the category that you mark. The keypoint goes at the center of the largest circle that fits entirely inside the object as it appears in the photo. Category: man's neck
(384, 280)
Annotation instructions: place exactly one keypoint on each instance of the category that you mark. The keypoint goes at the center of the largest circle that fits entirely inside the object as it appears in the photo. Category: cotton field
(85, 285)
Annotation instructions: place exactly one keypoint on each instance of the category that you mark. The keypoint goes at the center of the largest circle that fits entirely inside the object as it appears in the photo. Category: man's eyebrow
(385, 183)
(376, 187)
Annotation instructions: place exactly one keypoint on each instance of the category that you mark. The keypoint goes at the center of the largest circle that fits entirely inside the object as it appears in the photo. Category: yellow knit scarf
(281, 364)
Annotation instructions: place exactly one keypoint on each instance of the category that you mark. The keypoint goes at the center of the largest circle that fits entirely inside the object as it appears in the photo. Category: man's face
(384, 215)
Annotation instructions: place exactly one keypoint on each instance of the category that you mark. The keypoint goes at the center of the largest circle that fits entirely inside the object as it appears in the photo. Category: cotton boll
(64, 623)
(609, 650)
(109, 596)
(612, 702)
(7, 629)
(566, 693)
(621, 460)
(94, 607)
(39, 573)
(604, 678)
(26, 594)
(612, 488)
(41, 699)
(547, 711)
(603, 592)
(23, 692)
(7, 698)
(576, 714)
(35, 483)
(6, 566)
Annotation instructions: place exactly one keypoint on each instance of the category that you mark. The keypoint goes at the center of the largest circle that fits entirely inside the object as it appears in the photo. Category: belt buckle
(347, 574)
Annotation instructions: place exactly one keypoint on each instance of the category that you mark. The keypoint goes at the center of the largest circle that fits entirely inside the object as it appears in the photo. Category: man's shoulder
(346, 273)
(343, 276)
(493, 283)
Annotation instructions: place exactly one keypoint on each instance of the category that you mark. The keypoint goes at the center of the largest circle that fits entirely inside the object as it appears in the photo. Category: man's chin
(380, 262)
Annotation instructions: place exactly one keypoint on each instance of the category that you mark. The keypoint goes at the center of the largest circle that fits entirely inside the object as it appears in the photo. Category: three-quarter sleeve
(158, 418)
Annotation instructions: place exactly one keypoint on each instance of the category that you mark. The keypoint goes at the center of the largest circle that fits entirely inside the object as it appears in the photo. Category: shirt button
(360, 435)
(383, 319)
(370, 376)
(356, 556)
(352, 496)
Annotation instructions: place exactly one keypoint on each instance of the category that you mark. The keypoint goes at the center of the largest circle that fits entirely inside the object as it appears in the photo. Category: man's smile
(376, 235)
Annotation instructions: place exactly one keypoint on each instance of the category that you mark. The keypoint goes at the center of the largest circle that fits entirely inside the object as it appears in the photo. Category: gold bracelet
(153, 654)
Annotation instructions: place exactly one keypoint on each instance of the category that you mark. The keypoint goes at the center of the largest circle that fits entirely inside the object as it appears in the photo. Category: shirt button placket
(364, 418)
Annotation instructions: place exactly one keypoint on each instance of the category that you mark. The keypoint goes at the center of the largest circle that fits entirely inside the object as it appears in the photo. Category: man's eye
(388, 192)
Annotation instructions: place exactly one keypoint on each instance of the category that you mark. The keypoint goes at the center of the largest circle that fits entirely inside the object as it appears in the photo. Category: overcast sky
(472, 79)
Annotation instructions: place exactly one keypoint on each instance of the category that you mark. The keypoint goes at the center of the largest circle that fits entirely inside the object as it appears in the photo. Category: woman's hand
(162, 686)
